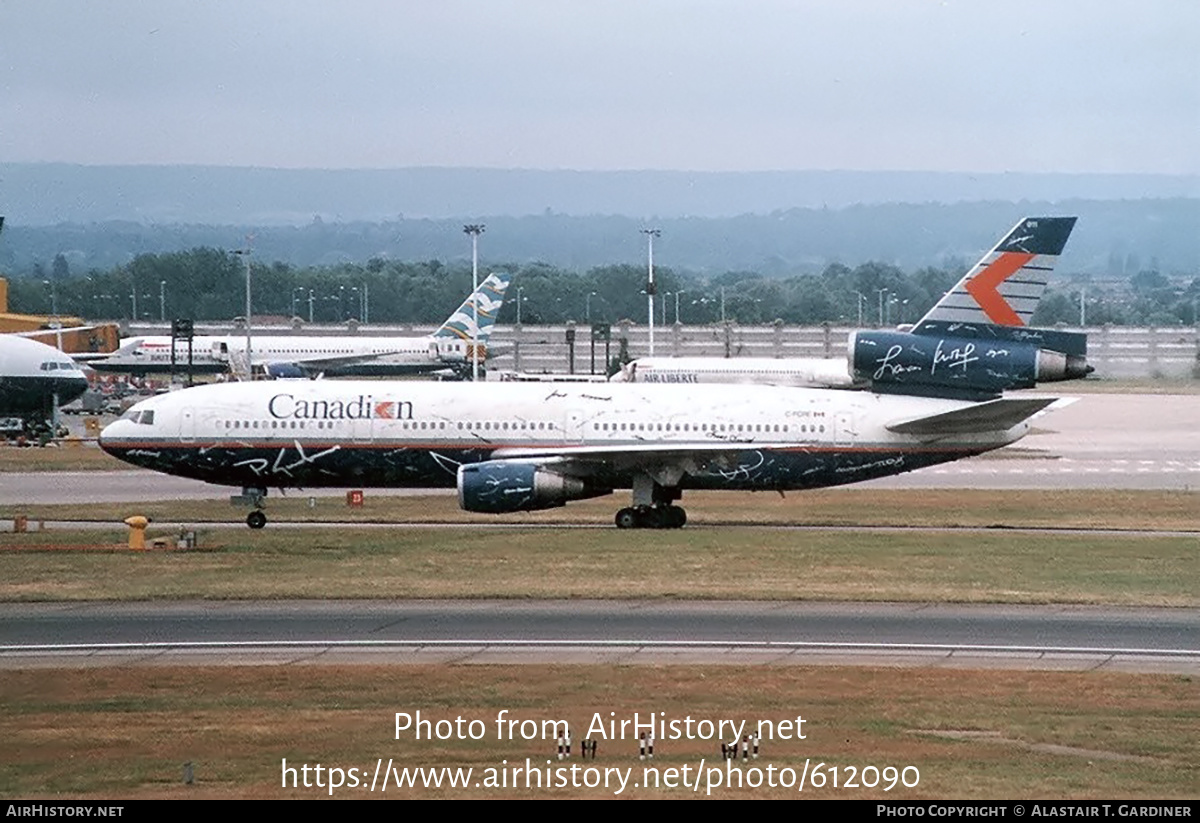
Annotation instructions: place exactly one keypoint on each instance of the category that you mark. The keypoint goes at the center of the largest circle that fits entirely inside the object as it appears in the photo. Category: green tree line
(208, 284)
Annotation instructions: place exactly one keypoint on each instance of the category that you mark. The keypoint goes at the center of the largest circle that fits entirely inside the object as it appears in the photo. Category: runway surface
(621, 632)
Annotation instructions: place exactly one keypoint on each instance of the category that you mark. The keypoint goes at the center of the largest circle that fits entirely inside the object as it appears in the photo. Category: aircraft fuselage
(378, 434)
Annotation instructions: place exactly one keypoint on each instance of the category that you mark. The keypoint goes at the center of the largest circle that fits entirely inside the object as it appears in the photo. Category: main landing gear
(253, 496)
(652, 507)
(651, 517)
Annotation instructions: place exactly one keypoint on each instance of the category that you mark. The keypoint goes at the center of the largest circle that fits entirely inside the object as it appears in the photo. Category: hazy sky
(954, 85)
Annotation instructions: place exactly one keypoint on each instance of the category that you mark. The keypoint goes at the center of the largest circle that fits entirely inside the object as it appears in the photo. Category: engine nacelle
(970, 364)
(501, 486)
(284, 370)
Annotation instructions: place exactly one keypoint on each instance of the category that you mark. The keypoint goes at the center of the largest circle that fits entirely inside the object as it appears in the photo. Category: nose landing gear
(253, 496)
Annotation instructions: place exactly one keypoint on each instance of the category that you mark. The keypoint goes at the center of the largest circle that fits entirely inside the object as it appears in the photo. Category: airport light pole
(245, 255)
(55, 322)
(587, 306)
(49, 284)
(862, 298)
(301, 290)
(475, 229)
(162, 301)
(311, 297)
(650, 235)
(677, 306)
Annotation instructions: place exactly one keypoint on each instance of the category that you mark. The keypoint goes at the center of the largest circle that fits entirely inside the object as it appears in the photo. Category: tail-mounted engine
(966, 359)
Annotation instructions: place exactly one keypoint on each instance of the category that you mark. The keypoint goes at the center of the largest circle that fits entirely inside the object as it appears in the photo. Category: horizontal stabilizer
(993, 416)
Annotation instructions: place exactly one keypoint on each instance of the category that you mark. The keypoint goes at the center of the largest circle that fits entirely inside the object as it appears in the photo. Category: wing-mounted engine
(969, 360)
(500, 486)
(284, 371)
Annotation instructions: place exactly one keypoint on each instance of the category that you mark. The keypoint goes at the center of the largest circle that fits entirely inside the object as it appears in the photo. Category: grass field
(847, 506)
(67, 455)
(727, 552)
(125, 733)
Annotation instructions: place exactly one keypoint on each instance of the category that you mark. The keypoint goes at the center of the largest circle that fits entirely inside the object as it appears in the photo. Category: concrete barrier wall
(1117, 352)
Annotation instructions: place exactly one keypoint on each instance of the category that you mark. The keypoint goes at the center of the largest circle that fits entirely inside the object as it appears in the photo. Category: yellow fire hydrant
(137, 531)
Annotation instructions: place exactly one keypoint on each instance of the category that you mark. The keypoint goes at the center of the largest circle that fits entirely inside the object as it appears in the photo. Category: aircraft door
(187, 426)
(574, 426)
(844, 431)
(364, 429)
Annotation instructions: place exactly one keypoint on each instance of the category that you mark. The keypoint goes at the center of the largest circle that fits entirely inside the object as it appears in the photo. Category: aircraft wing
(333, 361)
(318, 365)
(994, 415)
(666, 463)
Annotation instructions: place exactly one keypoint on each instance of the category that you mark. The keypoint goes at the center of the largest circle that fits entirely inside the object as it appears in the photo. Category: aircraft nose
(69, 388)
(110, 433)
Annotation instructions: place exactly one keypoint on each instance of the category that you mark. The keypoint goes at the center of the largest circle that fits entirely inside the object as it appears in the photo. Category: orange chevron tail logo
(984, 288)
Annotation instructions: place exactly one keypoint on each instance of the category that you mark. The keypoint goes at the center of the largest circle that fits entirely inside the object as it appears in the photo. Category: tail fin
(490, 297)
(1004, 288)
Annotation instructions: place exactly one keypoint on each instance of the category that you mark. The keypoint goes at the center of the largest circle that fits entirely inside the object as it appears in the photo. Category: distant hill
(773, 223)
(38, 194)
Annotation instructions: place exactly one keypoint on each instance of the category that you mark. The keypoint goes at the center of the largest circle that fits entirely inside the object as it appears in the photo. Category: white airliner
(35, 379)
(805, 372)
(987, 312)
(523, 446)
(298, 356)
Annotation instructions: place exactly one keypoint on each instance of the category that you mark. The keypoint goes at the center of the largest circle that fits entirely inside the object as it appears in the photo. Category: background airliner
(34, 380)
(524, 446)
(296, 356)
(980, 325)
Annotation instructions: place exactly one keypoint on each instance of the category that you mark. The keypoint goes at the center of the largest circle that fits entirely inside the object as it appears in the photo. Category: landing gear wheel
(628, 519)
(651, 517)
(677, 518)
(256, 519)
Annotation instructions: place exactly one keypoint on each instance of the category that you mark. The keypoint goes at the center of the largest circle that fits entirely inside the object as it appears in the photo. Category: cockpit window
(144, 417)
(57, 365)
(147, 418)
